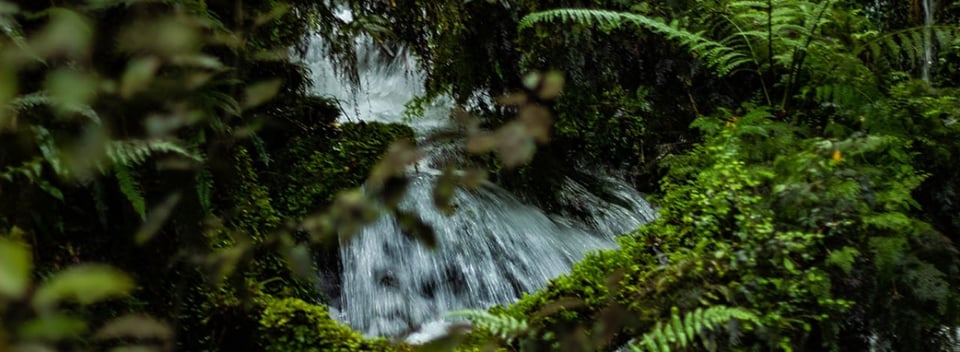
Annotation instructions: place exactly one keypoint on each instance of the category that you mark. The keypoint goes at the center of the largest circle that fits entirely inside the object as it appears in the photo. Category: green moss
(595, 284)
(294, 325)
(314, 169)
(256, 213)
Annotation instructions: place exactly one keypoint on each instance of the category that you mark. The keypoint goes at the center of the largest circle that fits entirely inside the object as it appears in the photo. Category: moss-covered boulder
(290, 324)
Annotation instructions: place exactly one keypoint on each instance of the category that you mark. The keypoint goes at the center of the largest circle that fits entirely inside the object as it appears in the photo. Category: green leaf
(198, 60)
(104, 4)
(300, 261)
(787, 263)
(260, 93)
(277, 11)
(843, 258)
(16, 266)
(130, 188)
(84, 284)
(32, 347)
(70, 89)
(138, 327)
(156, 218)
(8, 90)
(139, 74)
(416, 228)
(167, 36)
(50, 189)
(551, 86)
(443, 191)
(67, 32)
(53, 328)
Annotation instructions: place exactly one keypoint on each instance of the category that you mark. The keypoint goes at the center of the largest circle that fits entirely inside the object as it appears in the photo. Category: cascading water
(929, 9)
(492, 249)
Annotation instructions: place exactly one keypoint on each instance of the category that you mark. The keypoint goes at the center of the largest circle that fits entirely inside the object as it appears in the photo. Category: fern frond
(48, 149)
(131, 189)
(683, 331)
(31, 170)
(502, 326)
(134, 152)
(841, 95)
(33, 100)
(11, 29)
(721, 58)
(905, 46)
(204, 180)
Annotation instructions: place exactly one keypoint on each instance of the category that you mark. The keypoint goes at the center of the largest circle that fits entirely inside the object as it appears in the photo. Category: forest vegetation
(169, 180)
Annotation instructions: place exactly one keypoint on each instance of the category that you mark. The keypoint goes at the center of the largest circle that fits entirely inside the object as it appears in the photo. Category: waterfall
(491, 250)
(929, 8)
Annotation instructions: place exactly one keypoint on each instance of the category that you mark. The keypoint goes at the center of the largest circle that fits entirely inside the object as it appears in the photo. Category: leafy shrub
(818, 237)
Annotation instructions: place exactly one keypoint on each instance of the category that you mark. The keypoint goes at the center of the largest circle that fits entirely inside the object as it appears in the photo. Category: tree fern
(502, 326)
(683, 331)
(720, 57)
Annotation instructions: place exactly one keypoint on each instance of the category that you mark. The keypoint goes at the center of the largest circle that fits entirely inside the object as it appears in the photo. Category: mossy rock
(621, 292)
(314, 169)
(290, 324)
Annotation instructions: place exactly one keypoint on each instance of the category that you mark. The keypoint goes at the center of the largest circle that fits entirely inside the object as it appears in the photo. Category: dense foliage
(816, 200)
(167, 182)
(142, 134)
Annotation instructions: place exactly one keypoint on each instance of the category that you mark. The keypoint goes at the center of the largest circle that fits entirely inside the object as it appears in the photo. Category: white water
(929, 9)
(492, 249)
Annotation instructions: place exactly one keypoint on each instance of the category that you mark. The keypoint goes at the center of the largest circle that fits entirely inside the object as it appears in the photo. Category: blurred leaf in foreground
(84, 284)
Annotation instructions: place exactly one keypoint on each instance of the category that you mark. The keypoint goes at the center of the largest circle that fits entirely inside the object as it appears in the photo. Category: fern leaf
(134, 152)
(31, 170)
(204, 187)
(677, 326)
(748, 4)
(502, 326)
(716, 55)
(48, 149)
(50, 189)
(906, 43)
(683, 331)
(131, 189)
(33, 100)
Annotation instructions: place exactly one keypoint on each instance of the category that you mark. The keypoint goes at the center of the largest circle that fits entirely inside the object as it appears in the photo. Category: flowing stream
(491, 250)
